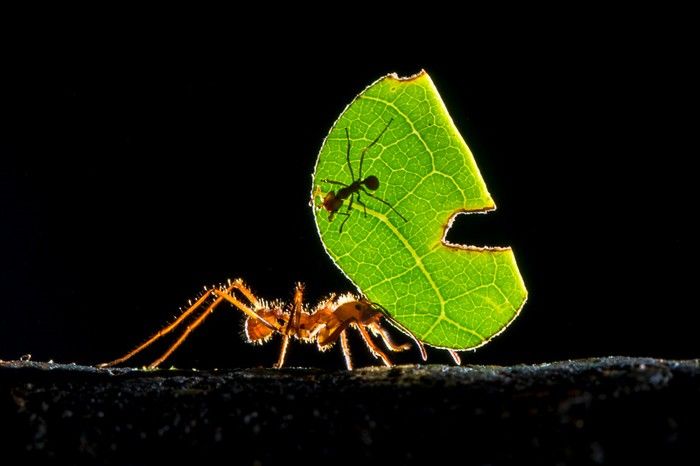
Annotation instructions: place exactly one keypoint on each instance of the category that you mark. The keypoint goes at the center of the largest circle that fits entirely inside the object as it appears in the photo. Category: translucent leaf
(394, 251)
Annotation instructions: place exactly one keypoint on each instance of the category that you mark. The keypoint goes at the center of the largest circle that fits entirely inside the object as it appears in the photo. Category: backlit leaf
(447, 295)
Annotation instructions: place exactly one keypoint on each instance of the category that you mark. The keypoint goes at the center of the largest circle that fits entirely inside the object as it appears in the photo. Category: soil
(595, 411)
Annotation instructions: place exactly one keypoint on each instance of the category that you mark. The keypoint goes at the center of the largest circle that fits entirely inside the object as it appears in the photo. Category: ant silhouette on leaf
(333, 201)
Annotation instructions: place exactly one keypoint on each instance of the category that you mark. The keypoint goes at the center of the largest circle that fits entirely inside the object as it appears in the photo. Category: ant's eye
(357, 306)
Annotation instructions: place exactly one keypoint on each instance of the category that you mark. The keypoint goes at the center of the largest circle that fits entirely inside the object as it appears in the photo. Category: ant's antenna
(364, 151)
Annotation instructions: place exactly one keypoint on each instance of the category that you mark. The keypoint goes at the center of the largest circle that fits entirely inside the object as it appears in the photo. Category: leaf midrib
(419, 263)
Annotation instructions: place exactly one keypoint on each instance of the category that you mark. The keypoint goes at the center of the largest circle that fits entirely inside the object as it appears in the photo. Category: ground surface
(597, 411)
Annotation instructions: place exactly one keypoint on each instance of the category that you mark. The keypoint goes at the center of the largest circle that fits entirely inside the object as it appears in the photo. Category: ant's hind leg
(226, 294)
(164, 331)
(207, 312)
(221, 295)
(245, 291)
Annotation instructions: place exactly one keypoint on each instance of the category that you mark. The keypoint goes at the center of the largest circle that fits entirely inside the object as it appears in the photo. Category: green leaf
(447, 295)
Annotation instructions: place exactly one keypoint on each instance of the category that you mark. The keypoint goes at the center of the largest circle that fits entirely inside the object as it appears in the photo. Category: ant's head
(332, 202)
(372, 182)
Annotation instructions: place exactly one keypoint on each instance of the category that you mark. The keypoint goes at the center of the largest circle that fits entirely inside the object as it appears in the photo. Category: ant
(325, 324)
(333, 201)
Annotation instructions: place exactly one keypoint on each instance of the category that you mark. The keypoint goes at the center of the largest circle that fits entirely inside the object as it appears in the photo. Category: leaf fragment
(447, 295)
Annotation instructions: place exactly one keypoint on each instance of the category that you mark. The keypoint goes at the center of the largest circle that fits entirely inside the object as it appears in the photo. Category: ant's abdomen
(256, 331)
(372, 182)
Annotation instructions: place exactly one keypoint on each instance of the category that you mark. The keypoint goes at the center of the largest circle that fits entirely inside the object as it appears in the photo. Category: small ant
(325, 324)
(333, 201)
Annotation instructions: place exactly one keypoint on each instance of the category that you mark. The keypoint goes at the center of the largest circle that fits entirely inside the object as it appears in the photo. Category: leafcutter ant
(333, 201)
(324, 325)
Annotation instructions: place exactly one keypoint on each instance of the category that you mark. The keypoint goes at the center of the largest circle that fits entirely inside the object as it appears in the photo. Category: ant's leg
(245, 309)
(361, 203)
(207, 312)
(334, 182)
(384, 202)
(293, 323)
(245, 291)
(378, 330)
(160, 333)
(419, 344)
(455, 357)
(342, 224)
(374, 349)
(346, 350)
(421, 348)
(329, 333)
(283, 352)
(221, 296)
(347, 156)
(295, 313)
(352, 201)
(362, 157)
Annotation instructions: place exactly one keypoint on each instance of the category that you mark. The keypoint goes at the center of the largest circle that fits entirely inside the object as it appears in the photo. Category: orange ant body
(324, 325)
(333, 201)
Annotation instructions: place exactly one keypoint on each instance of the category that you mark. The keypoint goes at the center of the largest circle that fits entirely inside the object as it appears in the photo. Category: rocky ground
(596, 411)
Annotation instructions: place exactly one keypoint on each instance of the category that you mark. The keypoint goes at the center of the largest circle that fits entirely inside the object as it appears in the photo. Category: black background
(132, 176)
